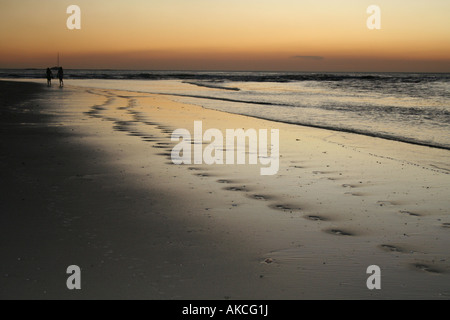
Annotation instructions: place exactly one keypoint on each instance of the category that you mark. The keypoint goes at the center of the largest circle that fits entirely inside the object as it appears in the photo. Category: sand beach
(88, 180)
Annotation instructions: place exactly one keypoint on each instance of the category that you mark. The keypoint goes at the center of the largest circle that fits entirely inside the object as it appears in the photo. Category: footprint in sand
(285, 207)
(93, 114)
(392, 248)
(135, 134)
(157, 146)
(204, 143)
(124, 123)
(338, 232)
(386, 203)
(165, 130)
(260, 197)
(316, 218)
(120, 128)
(203, 175)
(426, 268)
(356, 194)
(151, 123)
(239, 188)
(225, 181)
(410, 213)
(165, 154)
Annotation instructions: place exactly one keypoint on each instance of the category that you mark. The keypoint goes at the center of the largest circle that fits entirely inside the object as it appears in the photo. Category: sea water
(408, 107)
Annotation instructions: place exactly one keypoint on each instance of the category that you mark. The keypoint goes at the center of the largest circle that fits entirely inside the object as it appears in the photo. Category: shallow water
(407, 107)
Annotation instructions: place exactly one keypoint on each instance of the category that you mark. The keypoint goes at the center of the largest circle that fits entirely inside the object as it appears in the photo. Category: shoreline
(144, 228)
(380, 135)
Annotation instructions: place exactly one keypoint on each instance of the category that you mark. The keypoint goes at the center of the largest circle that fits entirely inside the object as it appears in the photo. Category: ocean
(408, 107)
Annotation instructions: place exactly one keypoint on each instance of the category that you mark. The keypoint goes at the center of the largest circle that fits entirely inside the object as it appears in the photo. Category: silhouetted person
(61, 77)
(49, 77)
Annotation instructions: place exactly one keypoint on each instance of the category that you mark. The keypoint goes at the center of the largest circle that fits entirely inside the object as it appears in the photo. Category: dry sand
(87, 180)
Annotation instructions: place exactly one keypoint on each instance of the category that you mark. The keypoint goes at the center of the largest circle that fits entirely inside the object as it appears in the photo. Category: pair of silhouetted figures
(59, 75)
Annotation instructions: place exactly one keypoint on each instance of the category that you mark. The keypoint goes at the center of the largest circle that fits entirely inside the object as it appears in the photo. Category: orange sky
(292, 35)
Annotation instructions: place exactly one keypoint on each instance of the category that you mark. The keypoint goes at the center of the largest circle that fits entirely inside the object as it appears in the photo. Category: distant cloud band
(309, 57)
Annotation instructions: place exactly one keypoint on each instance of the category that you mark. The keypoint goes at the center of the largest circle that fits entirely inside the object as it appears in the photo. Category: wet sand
(88, 180)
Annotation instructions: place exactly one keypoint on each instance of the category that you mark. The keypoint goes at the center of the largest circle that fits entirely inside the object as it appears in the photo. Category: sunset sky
(278, 35)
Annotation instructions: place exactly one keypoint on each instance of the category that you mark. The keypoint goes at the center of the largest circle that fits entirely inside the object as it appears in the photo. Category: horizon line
(199, 70)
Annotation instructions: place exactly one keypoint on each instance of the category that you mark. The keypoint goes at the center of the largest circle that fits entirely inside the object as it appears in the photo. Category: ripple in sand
(338, 232)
